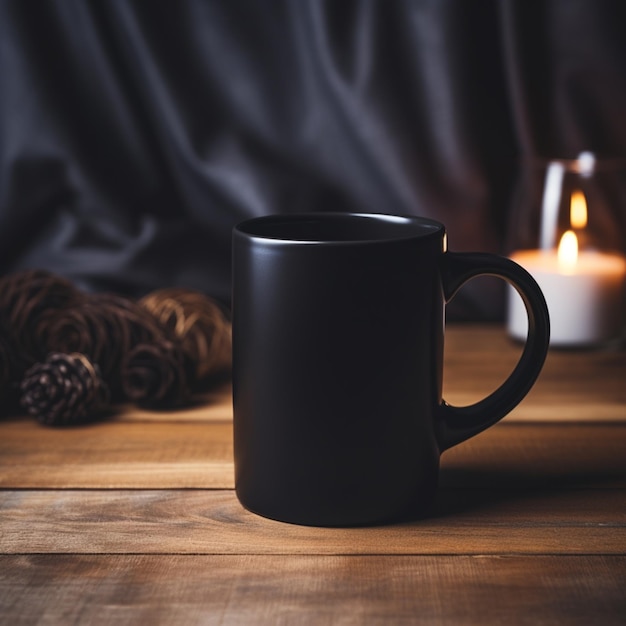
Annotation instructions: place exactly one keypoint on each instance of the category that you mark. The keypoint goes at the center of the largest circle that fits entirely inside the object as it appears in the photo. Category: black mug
(338, 327)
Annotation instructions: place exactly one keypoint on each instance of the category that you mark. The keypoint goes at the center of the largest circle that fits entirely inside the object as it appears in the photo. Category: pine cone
(156, 375)
(66, 389)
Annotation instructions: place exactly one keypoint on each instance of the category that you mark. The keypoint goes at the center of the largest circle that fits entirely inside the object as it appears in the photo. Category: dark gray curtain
(135, 134)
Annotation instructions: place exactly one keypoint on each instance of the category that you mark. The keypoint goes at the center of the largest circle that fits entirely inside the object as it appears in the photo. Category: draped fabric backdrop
(135, 133)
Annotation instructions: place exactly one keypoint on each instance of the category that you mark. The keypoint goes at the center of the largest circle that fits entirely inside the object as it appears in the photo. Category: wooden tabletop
(134, 520)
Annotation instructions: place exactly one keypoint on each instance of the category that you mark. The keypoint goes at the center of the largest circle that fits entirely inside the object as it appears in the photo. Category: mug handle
(456, 424)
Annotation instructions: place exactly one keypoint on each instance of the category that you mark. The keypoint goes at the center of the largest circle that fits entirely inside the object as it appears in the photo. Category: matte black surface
(338, 348)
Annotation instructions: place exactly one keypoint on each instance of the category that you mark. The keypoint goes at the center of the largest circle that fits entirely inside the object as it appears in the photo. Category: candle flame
(578, 210)
(567, 253)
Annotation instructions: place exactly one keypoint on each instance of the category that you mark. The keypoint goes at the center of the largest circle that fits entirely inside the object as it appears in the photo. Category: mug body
(337, 366)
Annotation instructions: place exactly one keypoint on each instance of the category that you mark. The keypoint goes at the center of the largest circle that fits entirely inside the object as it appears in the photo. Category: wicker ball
(199, 324)
(60, 347)
(105, 327)
(6, 360)
(28, 299)
(10, 372)
(156, 375)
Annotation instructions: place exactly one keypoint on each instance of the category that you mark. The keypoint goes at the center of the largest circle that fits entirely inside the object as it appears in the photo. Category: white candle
(584, 292)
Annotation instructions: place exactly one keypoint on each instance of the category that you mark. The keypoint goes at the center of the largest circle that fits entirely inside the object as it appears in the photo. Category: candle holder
(570, 237)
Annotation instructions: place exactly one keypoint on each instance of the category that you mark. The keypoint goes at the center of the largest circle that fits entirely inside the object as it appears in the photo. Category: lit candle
(584, 289)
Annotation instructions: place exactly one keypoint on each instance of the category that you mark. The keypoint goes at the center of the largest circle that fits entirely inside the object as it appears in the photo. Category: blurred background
(135, 134)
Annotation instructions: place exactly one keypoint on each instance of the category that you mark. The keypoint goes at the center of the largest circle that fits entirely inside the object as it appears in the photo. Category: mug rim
(432, 228)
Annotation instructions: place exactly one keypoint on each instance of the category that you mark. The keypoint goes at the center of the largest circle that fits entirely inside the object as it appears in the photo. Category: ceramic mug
(338, 330)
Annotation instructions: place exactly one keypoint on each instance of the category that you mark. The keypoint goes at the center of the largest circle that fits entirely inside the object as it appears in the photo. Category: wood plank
(574, 384)
(346, 590)
(213, 406)
(578, 385)
(117, 455)
(213, 522)
(585, 385)
(515, 455)
(196, 455)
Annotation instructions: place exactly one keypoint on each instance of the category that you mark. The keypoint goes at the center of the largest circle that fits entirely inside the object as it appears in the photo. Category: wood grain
(196, 455)
(516, 455)
(574, 385)
(117, 455)
(336, 590)
(213, 522)
(213, 406)
(134, 520)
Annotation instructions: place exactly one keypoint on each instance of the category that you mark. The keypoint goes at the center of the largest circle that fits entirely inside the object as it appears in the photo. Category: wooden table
(134, 520)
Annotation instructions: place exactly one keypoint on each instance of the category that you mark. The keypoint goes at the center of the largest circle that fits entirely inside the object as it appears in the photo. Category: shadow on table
(471, 490)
